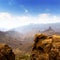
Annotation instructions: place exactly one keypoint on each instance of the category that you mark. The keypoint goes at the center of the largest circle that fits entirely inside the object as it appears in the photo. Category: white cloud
(48, 18)
(26, 11)
(9, 21)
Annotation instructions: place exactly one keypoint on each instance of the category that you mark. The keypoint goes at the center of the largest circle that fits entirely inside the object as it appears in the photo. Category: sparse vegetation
(22, 57)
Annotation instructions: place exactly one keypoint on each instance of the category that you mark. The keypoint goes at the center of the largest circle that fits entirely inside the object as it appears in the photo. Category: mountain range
(24, 36)
(39, 27)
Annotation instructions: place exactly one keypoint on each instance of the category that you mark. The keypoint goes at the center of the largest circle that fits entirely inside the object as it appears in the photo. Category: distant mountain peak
(49, 29)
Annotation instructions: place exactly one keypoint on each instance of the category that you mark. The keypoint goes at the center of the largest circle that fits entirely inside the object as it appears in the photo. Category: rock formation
(46, 47)
(6, 52)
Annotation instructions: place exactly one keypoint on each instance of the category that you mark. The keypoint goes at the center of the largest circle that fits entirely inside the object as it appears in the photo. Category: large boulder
(6, 52)
(46, 47)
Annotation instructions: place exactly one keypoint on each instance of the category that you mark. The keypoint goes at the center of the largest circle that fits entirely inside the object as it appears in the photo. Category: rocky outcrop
(6, 52)
(46, 47)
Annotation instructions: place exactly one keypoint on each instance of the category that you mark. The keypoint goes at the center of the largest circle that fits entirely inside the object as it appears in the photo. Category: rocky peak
(46, 47)
(6, 52)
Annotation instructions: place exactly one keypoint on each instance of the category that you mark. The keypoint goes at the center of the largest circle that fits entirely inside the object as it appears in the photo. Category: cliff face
(46, 47)
(6, 52)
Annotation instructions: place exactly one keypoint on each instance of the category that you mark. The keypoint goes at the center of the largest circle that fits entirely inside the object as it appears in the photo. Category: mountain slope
(10, 39)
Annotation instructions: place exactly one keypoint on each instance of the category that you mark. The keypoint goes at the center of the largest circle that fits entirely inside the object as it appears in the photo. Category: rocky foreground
(6, 52)
(46, 47)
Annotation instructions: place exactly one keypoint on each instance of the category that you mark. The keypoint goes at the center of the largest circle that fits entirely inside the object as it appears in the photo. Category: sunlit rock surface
(46, 47)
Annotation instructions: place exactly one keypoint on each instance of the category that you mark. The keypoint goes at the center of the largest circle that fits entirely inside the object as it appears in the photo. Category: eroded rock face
(6, 52)
(46, 48)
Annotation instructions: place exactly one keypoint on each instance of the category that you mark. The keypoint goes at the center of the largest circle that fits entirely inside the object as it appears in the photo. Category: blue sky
(33, 6)
(15, 13)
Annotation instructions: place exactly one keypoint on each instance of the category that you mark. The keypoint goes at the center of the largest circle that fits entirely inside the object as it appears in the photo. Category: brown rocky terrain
(17, 40)
(6, 52)
(11, 38)
(46, 47)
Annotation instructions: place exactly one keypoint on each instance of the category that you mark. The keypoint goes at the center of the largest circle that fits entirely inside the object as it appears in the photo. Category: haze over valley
(29, 30)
